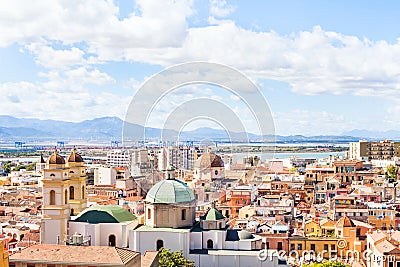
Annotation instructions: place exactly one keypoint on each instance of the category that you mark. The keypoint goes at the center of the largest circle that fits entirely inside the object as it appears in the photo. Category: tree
(8, 166)
(391, 172)
(168, 258)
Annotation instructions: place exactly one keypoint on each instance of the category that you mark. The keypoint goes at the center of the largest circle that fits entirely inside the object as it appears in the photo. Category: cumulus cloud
(34, 100)
(312, 62)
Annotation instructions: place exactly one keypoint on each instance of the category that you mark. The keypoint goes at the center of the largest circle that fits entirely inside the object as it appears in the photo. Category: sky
(324, 67)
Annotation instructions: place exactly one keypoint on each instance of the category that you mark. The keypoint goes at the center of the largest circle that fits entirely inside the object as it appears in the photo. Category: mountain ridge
(110, 128)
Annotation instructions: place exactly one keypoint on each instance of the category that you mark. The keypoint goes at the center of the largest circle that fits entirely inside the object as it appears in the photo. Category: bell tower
(56, 207)
(77, 186)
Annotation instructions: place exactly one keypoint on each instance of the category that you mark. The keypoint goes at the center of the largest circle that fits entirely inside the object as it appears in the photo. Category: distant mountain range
(110, 128)
(379, 135)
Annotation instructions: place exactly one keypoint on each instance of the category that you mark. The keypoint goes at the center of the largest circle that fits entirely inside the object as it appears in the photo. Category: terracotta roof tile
(75, 254)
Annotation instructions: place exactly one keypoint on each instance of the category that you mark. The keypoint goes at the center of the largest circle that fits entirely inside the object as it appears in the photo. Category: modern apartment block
(380, 150)
(182, 157)
(119, 158)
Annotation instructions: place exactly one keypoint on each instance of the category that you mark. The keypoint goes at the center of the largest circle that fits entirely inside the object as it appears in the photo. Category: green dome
(105, 214)
(212, 215)
(170, 191)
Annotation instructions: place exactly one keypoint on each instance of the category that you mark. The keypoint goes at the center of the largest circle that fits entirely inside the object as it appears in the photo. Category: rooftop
(105, 214)
(84, 255)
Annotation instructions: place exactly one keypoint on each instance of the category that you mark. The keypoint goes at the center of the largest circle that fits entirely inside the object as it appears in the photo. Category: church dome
(105, 214)
(243, 235)
(345, 222)
(212, 215)
(170, 191)
(55, 158)
(75, 157)
(208, 160)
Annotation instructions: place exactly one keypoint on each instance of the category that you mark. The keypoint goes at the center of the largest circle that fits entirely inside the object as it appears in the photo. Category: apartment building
(380, 150)
(119, 158)
(182, 157)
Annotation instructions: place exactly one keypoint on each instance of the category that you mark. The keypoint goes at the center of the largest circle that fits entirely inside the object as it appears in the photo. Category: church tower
(77, 186)
(56, 207)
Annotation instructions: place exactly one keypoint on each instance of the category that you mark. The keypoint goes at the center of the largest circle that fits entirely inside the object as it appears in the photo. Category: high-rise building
(140, 163)
(181, 157)
(380, 150)
(119, 158)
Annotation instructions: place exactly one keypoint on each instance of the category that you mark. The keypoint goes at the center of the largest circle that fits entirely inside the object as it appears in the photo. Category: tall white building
(119, 158)
(105, 175)
(141, 164)
(181, 157)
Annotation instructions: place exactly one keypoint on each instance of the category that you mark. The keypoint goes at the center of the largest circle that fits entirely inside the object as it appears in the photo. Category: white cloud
(48, 57)
(36, 101)
(312, 62)
(220, 8)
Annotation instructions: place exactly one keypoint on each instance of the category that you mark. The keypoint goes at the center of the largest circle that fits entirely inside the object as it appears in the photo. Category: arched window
(71, 192)
(66, 197)
(83, 191)
(52, 175)
(210, 244)
(111, 240)
(216, 172)
(72, 212)
(159, 244)
(183, 215)
(52, 197)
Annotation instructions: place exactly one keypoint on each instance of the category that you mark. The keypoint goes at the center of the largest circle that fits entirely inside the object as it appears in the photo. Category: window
(267, 245)
(72, 212)
(52, 197)
(299, 246)
(66, 197)
(83, 191)
(148, 214)
(71, 192)
(159, 244)
(326, 247)
(111, 240)
(279, 245)
(312, 247)
(292, 247)
(183, 215)
(333, 247)
(210, 244)
(216, 172)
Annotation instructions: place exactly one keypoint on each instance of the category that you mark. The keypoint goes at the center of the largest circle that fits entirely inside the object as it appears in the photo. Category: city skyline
(324, 68)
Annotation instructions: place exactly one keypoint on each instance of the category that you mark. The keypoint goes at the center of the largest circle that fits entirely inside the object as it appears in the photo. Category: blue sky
(325, 67)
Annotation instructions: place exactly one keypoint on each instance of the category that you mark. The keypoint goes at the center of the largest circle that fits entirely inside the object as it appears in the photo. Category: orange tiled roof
(87, 255)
